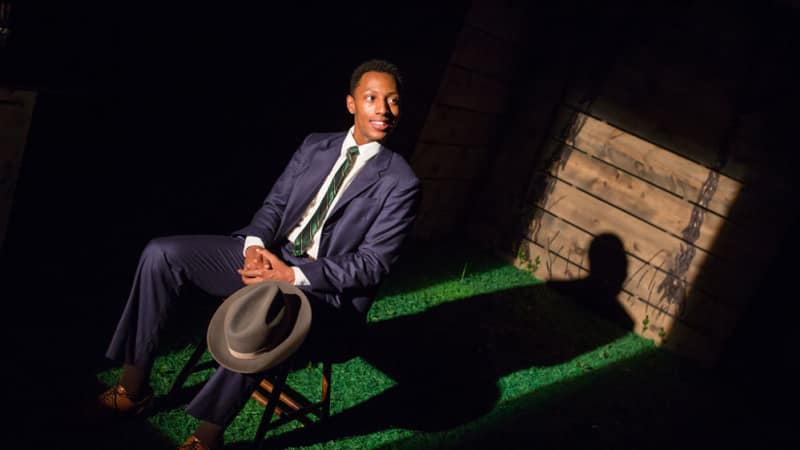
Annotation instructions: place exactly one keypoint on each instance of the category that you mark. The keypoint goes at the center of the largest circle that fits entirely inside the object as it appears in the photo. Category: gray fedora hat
(259, 326)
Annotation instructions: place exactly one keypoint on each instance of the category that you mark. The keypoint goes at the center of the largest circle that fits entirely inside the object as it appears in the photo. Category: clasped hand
(262, 265)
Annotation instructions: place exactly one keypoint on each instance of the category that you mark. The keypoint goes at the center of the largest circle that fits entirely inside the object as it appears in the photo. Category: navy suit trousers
(167, 266)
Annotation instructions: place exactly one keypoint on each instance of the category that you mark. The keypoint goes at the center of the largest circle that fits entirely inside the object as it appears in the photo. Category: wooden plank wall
(649, 140)
(16, 109)
(454, 147)
(607, 181)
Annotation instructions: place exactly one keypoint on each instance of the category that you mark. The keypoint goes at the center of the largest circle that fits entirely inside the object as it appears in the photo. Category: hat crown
(259, 326)
(257, 323)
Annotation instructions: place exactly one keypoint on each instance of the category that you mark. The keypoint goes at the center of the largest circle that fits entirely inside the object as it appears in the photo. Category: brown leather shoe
(192, 443)
(115, 400)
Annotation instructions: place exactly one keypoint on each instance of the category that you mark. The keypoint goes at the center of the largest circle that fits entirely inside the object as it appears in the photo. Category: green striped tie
(303, 240)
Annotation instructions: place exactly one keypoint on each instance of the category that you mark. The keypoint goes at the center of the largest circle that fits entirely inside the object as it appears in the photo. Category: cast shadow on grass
(654, 399)
(447, 361)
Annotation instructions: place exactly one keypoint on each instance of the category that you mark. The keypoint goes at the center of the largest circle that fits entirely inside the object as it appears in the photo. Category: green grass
(462, 348)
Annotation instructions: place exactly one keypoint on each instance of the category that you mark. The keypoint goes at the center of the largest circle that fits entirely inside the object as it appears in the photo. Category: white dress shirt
(365, 153)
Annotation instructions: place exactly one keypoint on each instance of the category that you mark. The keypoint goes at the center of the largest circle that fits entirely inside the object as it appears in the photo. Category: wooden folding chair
(279, 400)
(282, 401)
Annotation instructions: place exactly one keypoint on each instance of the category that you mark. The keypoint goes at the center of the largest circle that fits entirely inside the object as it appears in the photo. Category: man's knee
(161, 249)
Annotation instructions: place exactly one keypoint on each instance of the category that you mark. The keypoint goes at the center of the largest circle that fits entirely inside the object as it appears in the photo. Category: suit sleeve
(267, 219)
(365, 267)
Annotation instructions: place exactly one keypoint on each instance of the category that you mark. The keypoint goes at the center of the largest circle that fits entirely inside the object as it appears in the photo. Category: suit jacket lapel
(309, 183)
(368, 175)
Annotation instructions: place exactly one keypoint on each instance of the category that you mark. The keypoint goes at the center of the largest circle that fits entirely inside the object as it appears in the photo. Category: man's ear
(351, 104)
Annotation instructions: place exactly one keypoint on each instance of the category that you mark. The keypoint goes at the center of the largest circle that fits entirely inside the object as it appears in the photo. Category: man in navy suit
(336, 244)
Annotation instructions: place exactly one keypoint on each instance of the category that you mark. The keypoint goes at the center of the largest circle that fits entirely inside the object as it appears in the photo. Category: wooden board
(654, 164)
(434, 224)
(696, 307)
(447, 161)
(444, 195)
(636, 196)
(482, 52)
(742, 207)
(662, 327)
(506, 20)
(738, 203)
(468, 89)
(592, 215)
(641, 239)
(451, 125)
(571, 242)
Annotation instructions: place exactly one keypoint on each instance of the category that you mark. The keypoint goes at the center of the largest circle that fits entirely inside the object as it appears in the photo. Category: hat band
(248, 355)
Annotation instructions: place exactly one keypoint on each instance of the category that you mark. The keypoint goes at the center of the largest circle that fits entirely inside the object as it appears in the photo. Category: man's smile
(381, 125)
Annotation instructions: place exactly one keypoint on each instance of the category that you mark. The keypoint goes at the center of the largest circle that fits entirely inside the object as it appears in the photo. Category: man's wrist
(252, 241)
(299, 277)
(247, 249)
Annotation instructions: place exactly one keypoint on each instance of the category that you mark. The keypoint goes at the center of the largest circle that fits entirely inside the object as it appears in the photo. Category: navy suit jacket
(365, 230)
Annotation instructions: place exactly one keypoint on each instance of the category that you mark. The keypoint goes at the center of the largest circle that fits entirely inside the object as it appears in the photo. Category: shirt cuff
(251, 241)
(299, 277)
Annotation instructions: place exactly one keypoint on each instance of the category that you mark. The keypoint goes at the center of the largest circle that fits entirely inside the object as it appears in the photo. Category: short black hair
(375, 65)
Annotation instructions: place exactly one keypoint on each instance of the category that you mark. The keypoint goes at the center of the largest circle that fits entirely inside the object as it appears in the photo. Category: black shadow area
(655, 400)
(447, 360)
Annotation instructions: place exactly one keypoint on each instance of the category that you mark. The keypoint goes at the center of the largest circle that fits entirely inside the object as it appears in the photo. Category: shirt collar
(366, 151)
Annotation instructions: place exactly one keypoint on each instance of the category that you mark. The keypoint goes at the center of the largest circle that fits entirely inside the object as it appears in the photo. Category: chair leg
(297, 406)
(325, 407)
(286, 405)
(187, 368)
(272, 403)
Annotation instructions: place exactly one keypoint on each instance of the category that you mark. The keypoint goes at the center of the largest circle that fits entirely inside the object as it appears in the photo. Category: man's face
(375, 105)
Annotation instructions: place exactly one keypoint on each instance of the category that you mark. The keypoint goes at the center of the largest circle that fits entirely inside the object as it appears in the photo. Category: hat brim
(218, 346)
